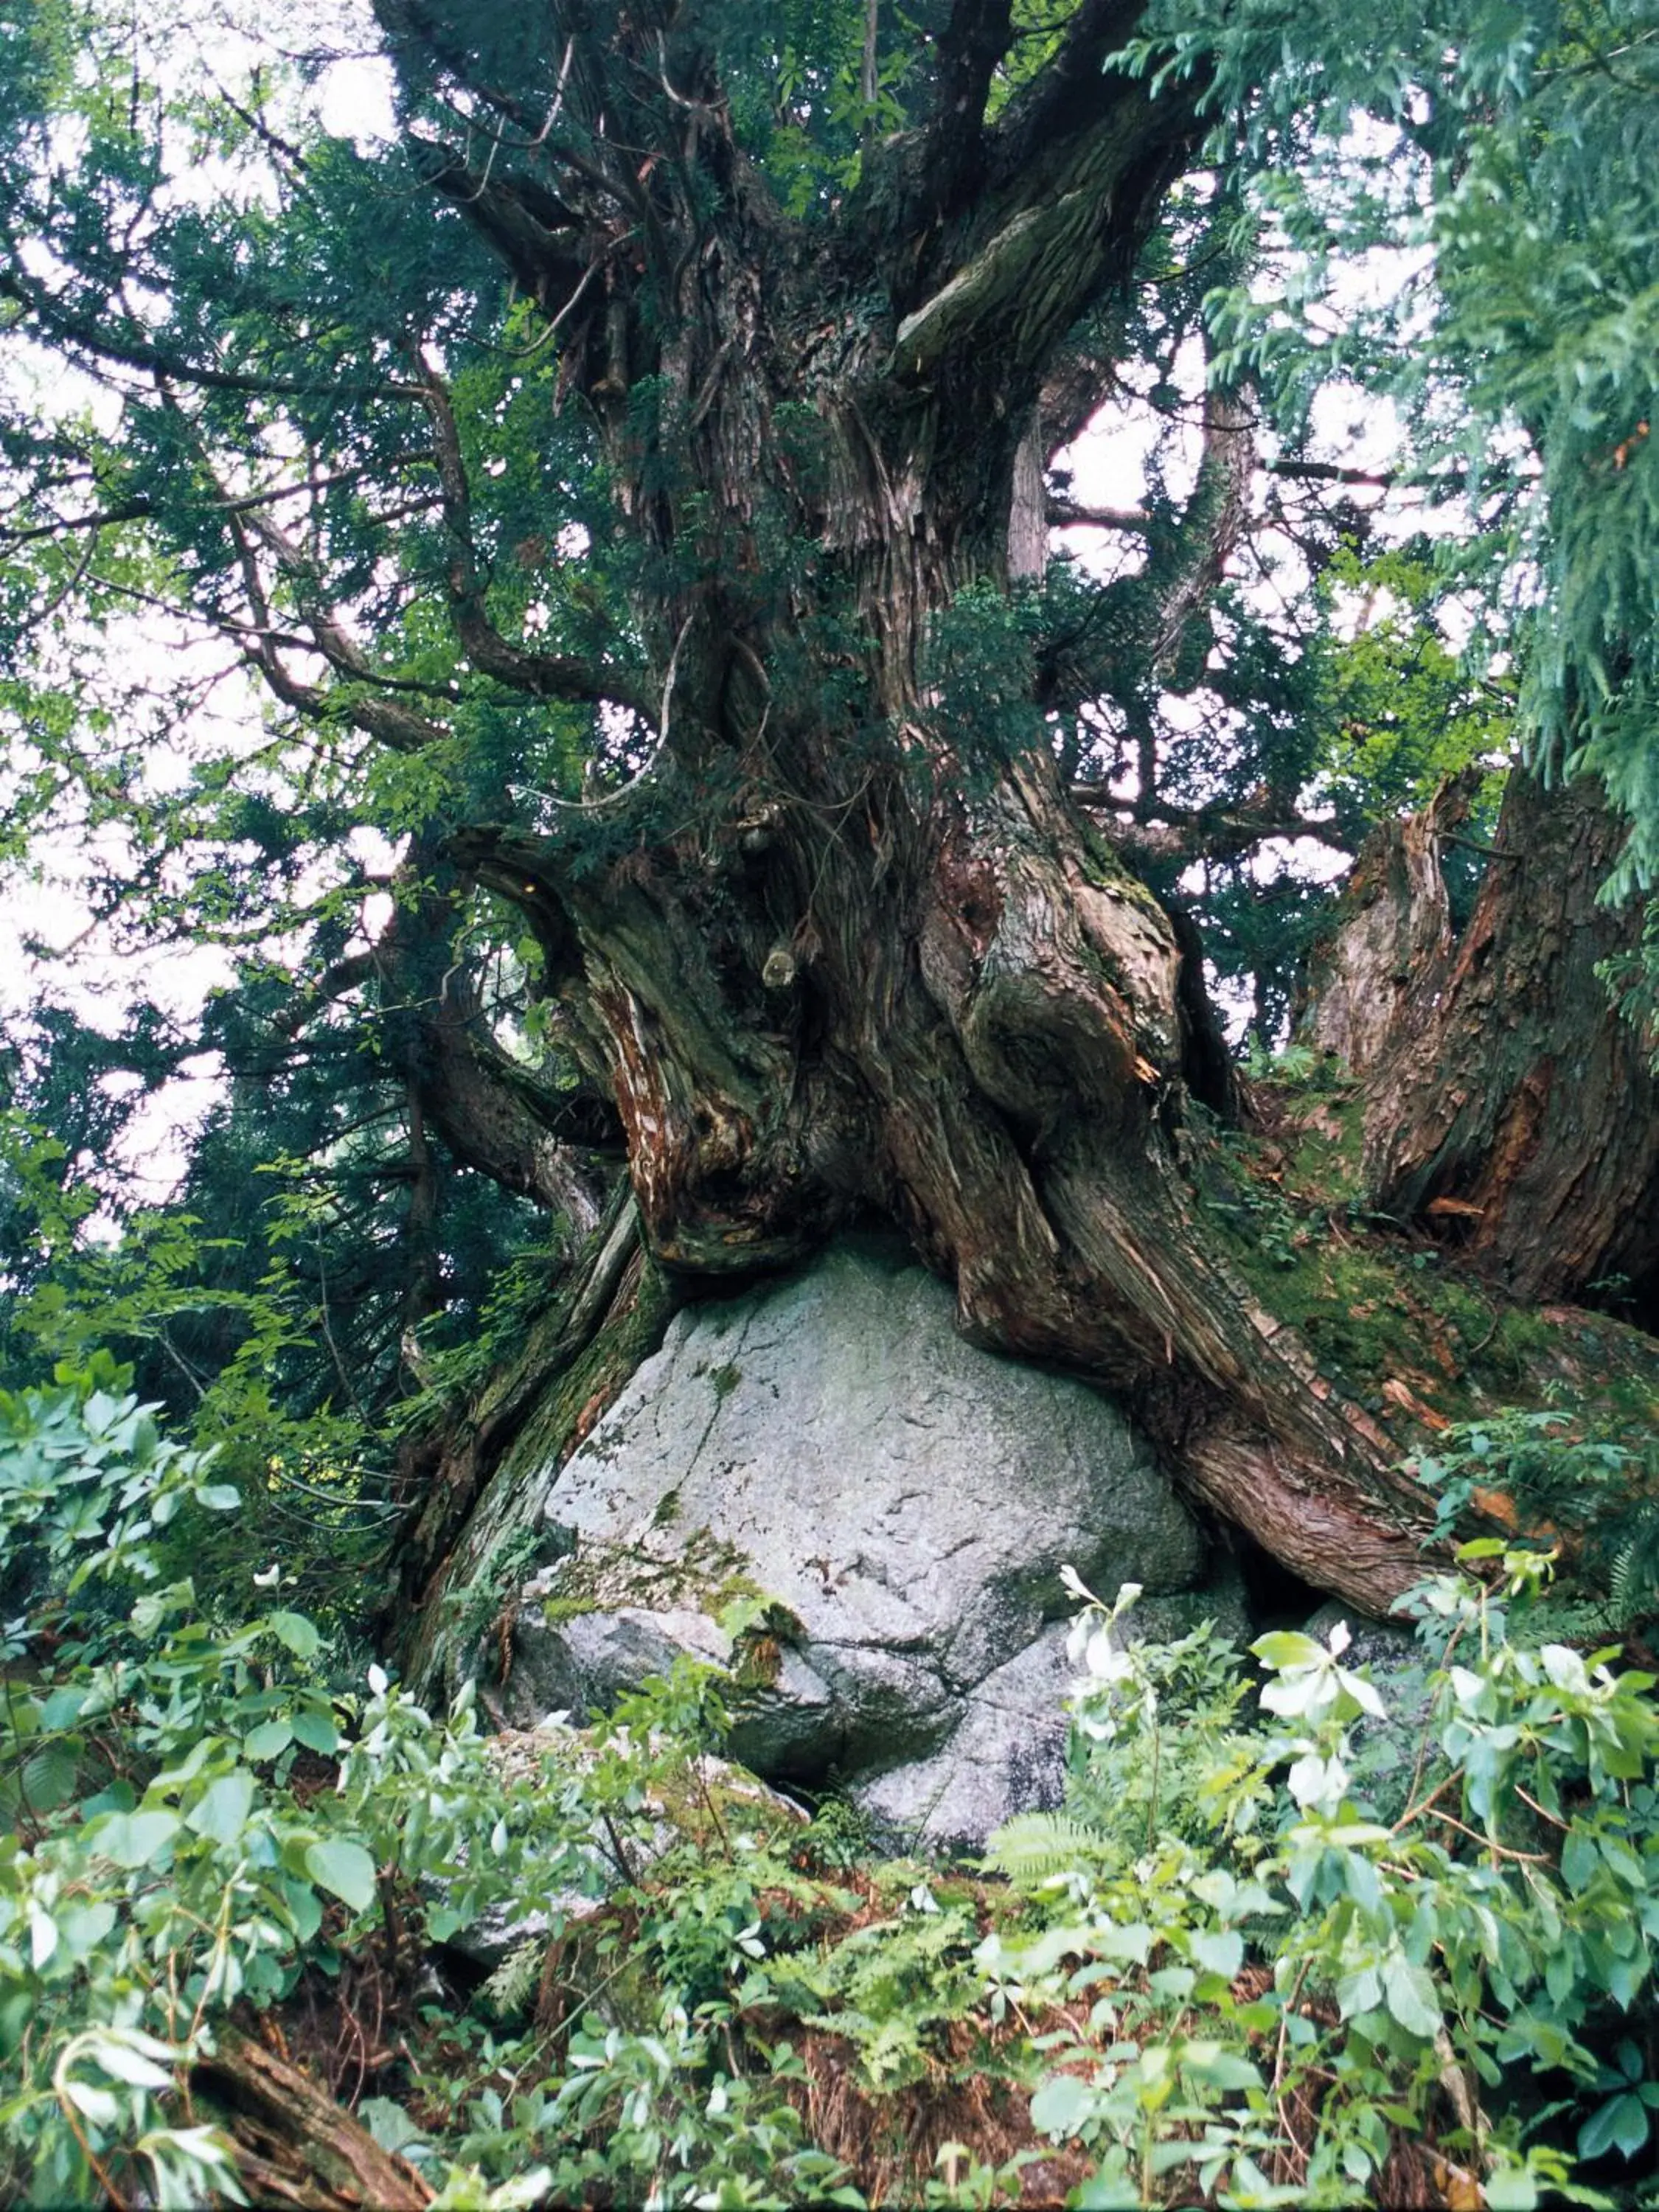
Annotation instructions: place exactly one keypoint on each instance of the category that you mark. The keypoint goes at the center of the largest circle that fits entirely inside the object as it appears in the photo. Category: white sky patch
(377, 856)
(154, 1151)
(355, 100)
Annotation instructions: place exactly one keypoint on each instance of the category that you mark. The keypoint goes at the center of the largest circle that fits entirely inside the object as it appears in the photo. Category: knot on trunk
(1070, 1008)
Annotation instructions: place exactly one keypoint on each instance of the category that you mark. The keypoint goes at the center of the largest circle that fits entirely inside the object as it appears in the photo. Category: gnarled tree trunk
(846, 943)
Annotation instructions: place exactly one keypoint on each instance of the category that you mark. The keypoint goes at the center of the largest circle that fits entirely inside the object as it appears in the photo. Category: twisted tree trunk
(844, 942)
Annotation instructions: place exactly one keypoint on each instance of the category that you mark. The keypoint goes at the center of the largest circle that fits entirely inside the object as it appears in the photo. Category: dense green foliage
(1277, 1947)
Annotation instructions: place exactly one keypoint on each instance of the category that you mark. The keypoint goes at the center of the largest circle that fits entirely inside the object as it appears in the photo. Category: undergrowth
(1242, 1967)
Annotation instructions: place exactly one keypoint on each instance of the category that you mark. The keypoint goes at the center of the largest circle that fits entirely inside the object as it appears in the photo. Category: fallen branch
(294, 2145)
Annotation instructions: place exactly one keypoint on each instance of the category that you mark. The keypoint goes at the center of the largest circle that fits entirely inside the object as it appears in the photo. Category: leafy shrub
(1383, 1982)
(1544, 1470)
(162, 1866)
(1231, 1966)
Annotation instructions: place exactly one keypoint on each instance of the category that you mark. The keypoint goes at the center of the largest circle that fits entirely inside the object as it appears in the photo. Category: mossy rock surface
(890, 1504)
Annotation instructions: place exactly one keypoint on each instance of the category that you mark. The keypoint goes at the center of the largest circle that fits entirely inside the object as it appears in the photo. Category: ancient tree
(634, 483)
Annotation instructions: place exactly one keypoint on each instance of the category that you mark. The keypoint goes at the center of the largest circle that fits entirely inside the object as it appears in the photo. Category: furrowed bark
(1508, 1108)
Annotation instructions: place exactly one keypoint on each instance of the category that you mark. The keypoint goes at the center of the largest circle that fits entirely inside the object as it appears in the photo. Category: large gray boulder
(903, 1500)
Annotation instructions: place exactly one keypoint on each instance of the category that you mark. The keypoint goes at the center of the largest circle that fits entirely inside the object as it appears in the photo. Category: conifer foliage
(577, 480)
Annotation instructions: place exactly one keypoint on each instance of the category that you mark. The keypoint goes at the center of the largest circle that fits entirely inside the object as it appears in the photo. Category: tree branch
(142, 506)
(1069, 513)
(537, 236)
(1066, 96)
(1071, 178)
(544, 675)
(387, 719)
(975, 39)
(126, 510)
(1329, 472)
(1215, 515)
(97, 344)
(1175, 836)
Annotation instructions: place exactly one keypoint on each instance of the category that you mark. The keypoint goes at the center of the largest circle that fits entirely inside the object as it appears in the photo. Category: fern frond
(1033, 1847)
(508, 1990)
(1620, 1580)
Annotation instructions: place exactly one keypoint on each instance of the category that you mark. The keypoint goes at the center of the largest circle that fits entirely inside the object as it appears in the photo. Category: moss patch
(1381, 1309)
(701, 1572)
(1394, 1322)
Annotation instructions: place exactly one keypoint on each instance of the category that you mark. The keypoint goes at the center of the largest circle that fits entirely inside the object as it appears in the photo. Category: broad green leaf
(1132, 1940)
(1288, 1647)
(47, 1778)
(99, 2105)
(1218, 1952)
(1061, 2104)
(150, 1611)
(270, 1738)
(389, 2123)
(43, 1936)
(1510, 2189)
(1363, 1694)
(344, 1869)
(221, 1813)
(135, 1839)
(1359, 1992)
(1620, 2125)
(295, 1630)
(118, 2058)
(83, 1927)
(1220, 2068)
(1166, 2156)
(1410, 1994)
(1581, 1861)
(305, 1908)
(315, 1729)
(63, 1705)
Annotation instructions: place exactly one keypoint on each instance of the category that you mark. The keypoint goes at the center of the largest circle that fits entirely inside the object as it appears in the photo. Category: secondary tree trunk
(1508, 1108)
